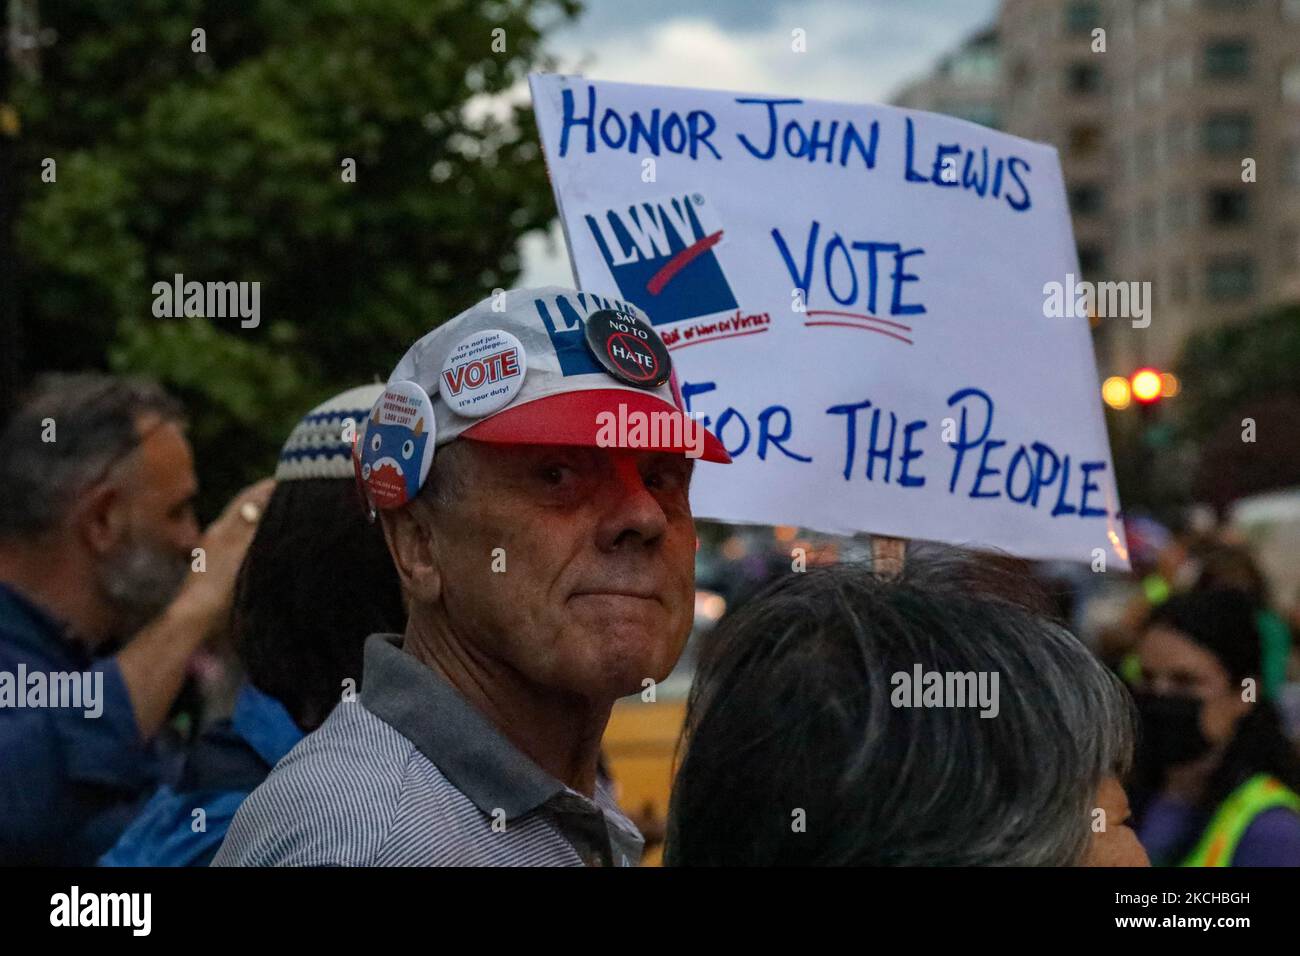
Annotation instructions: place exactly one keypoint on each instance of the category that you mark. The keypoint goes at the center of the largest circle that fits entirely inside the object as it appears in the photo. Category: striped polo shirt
(412, 774)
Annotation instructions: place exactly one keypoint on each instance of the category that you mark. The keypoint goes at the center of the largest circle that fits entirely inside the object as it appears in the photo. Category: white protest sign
(854, 299)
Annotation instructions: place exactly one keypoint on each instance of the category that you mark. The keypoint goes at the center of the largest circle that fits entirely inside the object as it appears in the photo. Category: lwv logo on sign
(661, 255)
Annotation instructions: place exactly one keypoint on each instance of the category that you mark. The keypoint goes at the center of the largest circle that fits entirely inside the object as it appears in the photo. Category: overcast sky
(857, 50)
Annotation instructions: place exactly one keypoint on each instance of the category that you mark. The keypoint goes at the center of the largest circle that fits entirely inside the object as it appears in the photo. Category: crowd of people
(431, 608)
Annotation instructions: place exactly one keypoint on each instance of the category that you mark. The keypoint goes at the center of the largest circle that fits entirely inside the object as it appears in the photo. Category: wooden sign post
(887, 555)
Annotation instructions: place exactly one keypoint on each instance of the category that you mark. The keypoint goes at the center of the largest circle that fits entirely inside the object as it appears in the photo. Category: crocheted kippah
(316, 448)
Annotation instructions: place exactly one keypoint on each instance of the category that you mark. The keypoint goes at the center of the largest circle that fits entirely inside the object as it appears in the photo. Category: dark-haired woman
(1218, 782)
(809, 742)
(316, 581)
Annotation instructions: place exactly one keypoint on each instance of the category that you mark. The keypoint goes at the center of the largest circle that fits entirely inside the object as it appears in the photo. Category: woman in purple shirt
(1217, 780)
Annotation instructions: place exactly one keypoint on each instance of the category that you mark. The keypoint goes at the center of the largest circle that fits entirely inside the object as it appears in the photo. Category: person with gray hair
(97, 541)
(548, 564)
(844, 718)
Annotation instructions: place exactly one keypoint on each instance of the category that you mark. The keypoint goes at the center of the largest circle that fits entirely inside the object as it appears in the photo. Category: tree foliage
(227, 165)
(1232, 375)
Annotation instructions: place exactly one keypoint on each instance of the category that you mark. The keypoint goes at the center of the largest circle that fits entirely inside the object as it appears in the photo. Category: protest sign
(854, 300)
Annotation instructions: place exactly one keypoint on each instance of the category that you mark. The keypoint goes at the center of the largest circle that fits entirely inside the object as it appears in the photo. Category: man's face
(143, 571)
(598, 550)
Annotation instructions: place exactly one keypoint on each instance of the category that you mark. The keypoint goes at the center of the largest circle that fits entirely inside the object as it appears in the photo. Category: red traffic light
(1147, 385)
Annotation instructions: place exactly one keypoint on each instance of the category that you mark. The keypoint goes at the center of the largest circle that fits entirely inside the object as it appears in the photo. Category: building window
(1291, 82)
(1175, 137)
(1291, 164)
(1146, 222)
(1146, 154)
(1230, 277)
(1227, 207)
(1082, 17)
(1180, 71)
(1084, 140)
(1149, 13)
(1228, 132)
(1177, 211)
(1180, 284)
(1123, 24)
(977, 66)
(1150, 85)
(1227, 59)
(1289, 243)
(1083, 78)
(981, 113)
(1086, 199)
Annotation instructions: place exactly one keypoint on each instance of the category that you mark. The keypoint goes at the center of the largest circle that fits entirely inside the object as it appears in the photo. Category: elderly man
(96, 539)
(547, 554)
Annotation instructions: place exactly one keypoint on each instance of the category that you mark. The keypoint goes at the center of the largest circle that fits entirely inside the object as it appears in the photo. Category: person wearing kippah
(315, 582)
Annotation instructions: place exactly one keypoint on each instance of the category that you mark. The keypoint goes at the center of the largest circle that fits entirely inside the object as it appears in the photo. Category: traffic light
(1146, 386)
(1117, 392)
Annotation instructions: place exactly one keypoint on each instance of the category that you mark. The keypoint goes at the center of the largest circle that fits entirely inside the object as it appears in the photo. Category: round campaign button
(483, 373)
(397, 448)
(628, 348)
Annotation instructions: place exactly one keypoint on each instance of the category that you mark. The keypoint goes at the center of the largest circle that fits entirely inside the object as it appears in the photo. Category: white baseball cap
(525, 366)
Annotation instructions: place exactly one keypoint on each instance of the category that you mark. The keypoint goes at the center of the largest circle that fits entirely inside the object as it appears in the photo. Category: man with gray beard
(97, 542)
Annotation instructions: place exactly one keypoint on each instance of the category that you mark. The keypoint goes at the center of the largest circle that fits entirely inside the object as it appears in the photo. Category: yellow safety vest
(1219, 841)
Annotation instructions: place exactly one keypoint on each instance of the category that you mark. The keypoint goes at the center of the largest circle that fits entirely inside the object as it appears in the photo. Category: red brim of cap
(573, 418)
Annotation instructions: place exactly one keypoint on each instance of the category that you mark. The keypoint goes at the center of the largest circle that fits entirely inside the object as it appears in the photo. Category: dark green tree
(1232, 376)
(227, 164)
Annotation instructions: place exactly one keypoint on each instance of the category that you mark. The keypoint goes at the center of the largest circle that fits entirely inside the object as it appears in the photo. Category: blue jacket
(71, 777)
(183, 825)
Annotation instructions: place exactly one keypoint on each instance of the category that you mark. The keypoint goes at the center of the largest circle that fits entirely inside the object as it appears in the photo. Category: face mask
(1169, 731)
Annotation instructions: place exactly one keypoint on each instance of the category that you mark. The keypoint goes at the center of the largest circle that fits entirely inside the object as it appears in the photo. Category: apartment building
(1178, 126)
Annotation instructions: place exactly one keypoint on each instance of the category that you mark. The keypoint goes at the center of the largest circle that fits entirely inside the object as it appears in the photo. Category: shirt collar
(36, 629)
(462, 743)
(264, 724)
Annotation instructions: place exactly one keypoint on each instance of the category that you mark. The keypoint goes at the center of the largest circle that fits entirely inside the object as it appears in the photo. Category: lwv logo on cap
(563, 318)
